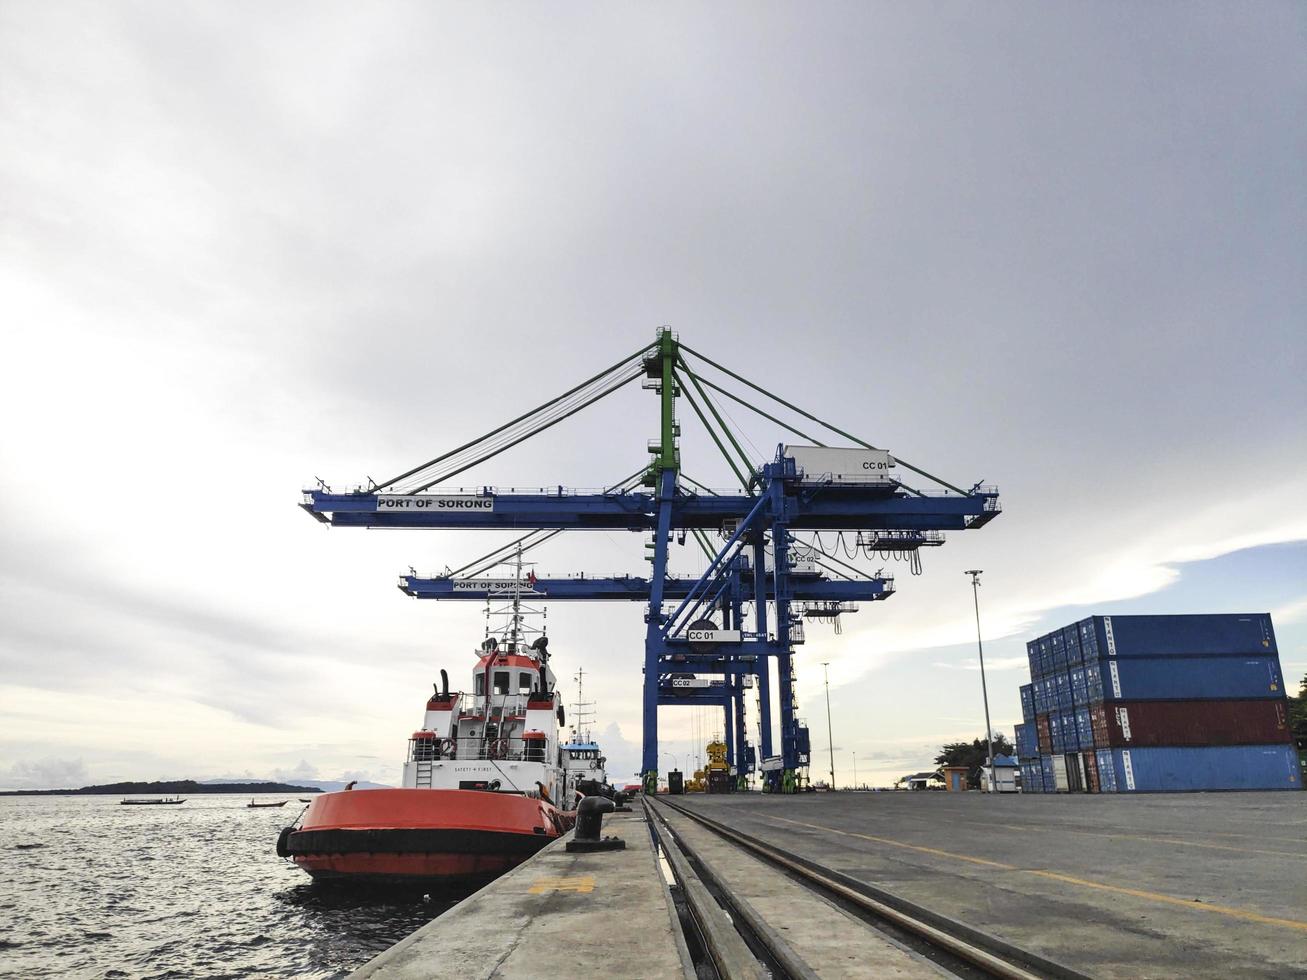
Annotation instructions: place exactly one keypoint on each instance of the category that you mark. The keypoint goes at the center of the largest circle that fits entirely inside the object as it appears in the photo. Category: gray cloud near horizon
(1061, 250)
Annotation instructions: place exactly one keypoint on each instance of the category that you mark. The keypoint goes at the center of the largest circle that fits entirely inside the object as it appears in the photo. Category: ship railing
(498, 750)
(477, 750)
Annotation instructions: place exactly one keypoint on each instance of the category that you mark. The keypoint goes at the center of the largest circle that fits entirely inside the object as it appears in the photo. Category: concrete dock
(1166, 885)
(558, 915)
(1206, 885)
(828, 940)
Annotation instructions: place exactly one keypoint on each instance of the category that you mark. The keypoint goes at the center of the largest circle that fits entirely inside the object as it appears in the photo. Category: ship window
(501, 682)
(524, 683)
(481, 684)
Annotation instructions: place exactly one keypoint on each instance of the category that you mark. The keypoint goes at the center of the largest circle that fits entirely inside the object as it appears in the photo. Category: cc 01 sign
(713, 636)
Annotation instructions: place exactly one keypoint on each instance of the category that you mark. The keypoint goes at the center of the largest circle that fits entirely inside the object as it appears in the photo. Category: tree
(1298, 720)
(972, 755)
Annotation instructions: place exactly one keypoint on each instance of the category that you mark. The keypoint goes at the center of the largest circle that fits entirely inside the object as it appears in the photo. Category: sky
(1061, 249)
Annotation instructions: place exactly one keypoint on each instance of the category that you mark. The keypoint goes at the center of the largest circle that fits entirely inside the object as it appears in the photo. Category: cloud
(47, 773)
(241, 254)
(997, 663)
(1290, 612)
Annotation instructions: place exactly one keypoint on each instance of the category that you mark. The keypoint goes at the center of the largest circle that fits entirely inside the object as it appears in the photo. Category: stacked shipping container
(1155, 703)
(1027, 744)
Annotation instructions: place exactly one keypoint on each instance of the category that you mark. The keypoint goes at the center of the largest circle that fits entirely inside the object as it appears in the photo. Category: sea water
(89, 888)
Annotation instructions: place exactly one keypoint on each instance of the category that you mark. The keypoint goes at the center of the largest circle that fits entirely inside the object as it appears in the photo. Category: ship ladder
(423, 777)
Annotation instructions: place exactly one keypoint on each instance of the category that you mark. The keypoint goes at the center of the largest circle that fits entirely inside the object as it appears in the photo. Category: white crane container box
(840, 466)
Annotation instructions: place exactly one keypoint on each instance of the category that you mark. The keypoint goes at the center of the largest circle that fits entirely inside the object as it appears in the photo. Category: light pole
(675, 758)
(855, 770)
(830, 733)
(984, 690)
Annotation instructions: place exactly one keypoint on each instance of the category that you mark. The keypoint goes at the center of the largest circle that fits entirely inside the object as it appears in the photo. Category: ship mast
(584, 711)
(514, 631)
(516, 627)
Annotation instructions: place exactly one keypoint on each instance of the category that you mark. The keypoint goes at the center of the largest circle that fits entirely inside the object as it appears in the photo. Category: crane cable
(814, 418)
(502, 443)
(730, 460)
(460, 451)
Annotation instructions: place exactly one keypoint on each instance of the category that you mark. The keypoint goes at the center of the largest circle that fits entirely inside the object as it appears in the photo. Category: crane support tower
(770, 561)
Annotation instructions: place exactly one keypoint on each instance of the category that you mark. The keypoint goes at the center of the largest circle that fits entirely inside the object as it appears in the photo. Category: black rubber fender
(283, 842)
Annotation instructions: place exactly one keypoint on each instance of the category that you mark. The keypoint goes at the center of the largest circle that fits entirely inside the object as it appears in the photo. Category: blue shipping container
(1079, 687)
(1071, 640)
(1185, 636)
(1106, 771)
(1055, 732)
(1022, 741)
(1027, 703)
(1046, 768)
(1032, 777)
(1093, 682)
(1045, 658)
(1064, 700)
(1070, 733)
(1219, 767)
(1084, 728)
(1088, 638)
(1059, 651)
(1189, 678)
(1041, 704)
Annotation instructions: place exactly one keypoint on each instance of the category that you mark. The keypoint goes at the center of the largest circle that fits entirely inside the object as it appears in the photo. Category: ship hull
(421, 835)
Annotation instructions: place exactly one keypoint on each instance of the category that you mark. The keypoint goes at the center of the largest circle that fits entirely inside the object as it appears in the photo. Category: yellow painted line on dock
(583, 884)
(1068, 879)
(897, 843)
(1269, 920)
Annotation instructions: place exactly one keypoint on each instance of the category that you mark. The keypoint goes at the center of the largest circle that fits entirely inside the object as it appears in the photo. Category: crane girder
(871, 510)
(636, 589)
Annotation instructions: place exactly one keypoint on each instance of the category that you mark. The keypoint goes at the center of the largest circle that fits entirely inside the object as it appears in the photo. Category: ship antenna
(584, 711)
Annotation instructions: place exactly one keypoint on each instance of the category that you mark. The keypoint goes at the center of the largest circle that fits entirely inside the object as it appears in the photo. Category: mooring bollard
(589, 820)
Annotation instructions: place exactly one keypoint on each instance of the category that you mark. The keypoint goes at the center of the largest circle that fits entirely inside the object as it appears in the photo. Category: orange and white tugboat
(485, 784)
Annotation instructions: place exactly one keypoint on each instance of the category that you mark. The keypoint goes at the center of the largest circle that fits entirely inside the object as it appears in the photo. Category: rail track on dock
(735, 941)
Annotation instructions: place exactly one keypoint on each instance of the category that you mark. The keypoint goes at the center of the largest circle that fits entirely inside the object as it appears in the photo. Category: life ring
(447, 748)
(594, 764)
(499, 748)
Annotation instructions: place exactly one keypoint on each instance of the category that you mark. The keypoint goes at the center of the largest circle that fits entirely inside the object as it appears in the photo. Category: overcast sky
(1057, 248)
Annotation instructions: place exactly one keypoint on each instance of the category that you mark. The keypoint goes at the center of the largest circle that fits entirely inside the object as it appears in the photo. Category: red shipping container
(1182, 723)
(1098, 719)
(1091, 770)
(1045, 737)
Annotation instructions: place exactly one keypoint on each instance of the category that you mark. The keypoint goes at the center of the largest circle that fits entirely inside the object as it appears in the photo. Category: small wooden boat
(155, 802)
(257, 806)
(306, 801)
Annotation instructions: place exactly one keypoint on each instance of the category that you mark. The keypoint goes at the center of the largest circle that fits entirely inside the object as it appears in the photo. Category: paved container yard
(1193, 885)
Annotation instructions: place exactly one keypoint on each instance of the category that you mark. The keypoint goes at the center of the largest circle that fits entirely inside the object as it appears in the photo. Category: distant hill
(174, 787)
(326, 785)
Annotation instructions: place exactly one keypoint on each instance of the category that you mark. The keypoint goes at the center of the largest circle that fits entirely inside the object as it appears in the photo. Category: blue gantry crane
(776, 548)
(821, 595)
